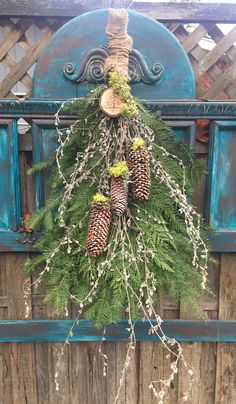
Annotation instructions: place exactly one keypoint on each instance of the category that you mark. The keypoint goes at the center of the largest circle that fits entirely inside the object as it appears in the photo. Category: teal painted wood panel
(179, 114)
(57, 330)
(44, 145)
(169, 109)
(78, 45)
(221, 193)
(9, 185)
(184, 131)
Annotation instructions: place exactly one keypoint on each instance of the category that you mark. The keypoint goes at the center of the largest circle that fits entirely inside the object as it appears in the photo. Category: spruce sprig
(153, 234)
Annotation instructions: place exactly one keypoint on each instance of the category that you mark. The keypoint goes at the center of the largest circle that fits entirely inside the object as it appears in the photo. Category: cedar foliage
(72, 273)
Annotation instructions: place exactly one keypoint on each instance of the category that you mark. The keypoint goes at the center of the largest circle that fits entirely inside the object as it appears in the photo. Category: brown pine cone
(98, 229)
(139, 165)
(119, 195)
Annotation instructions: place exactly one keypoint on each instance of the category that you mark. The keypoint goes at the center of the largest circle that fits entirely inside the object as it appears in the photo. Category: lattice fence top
(211, 52)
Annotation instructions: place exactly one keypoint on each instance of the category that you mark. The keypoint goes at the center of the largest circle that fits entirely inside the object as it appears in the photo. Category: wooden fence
(22, 39)
(27, 370)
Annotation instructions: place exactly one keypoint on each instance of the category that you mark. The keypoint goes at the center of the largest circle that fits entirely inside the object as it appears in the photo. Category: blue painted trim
(57, 330)
(225, 239)
(10, 194)
(13, 241)
(188, 126)
(186, 109)
(174, 111)
(16, 173)
(38, 157)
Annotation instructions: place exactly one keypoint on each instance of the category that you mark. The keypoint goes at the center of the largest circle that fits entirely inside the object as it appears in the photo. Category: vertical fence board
(61, 396)
(79, 391)
(111, 371)
(131, 380)
(96, 380)
(146, 358)
(120, 360)
(41, 356)
(226, 362)
(22, 355)
(5, 368)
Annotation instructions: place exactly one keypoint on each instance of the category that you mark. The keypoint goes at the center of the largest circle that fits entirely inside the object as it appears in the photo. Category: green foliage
(158, 221)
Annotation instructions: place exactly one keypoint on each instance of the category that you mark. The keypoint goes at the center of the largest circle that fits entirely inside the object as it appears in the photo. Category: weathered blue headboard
(74, 59)
(161, 74)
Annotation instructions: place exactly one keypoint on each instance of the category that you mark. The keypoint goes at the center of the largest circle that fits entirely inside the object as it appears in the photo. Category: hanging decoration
(118, 227)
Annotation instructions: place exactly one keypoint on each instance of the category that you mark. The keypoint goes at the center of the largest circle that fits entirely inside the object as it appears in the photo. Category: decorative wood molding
(222, 109)
(215, 69)
(91, 68)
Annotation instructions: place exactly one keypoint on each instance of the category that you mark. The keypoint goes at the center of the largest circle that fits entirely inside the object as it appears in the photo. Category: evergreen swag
(154, 245)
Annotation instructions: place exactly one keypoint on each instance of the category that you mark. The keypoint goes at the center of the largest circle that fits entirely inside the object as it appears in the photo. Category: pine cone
(119, 195)
(98, 229)
(139, 165)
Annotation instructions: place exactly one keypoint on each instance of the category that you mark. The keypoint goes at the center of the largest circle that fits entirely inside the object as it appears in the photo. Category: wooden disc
(110, 103)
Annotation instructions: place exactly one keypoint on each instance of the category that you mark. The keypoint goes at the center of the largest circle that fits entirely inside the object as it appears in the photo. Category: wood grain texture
(226, 364)
(201, 357)
(14, 34)
(23, 65)
(41, 351)
(5, 362)
(162, 11)
(218, 60)
(27, 372)
(78, 371)
(21, 356)
(223, 82)
(223, 45)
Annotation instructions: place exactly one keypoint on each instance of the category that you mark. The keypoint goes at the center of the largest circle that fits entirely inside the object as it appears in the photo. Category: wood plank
(58, 363)
(5, 364)
(56, 330)
(192, 353)
(166, 360)
(193, 109)
(96, 381)
(163, 11)
(181, 33)
(61, 396)
(41, 350)
(111, 371)
(78, 362)
(10, 63)
(155, 365)
(5, 370)
(192, 40)
(217, 51)
(132, 379)
(14, 35)
(27, 183)
(230, 90)
(203, 387)
(169, 305)
(226, 364)
(25, 142)
(22, 355)
(146, 355)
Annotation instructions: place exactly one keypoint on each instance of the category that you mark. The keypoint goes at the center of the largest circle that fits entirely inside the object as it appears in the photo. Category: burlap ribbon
(120, 43)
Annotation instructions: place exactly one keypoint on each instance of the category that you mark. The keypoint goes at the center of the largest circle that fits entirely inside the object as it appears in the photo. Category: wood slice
(111, 103)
